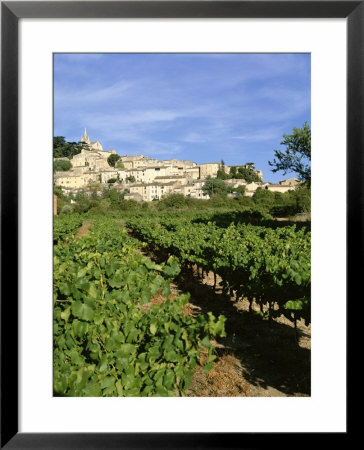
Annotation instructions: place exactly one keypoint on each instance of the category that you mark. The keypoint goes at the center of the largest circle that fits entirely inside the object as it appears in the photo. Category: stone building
(72, 180)
(181, 179)
(92, 145)
(280, 187)
(235, 182)
(95, 160)
(107, 175)
(194, 190)
(209, 170)
(135, 161)
(289, 182)
(184, 164)
(193, 172)
(149, 192)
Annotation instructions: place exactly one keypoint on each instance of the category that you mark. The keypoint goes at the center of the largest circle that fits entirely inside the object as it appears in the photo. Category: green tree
(58, 191)
(173, 201)
(61, 165)
(222, 175)
(240, 190)
(95, 192)
(120, 165)
(66, 209)
(62, 200)
(292, 202)
(303, 198)
(245, 201)
(233, 172)
(249, 175)
(129, 205)
(104, 205)
(82, 202)
(264, 198)
(62, 148)
(297, 155)
(215, 186)
(58, 141)
(113, 159)
(114, 197)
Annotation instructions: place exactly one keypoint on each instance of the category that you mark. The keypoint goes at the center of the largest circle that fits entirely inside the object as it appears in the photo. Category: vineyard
(269, 265)
(125, 323)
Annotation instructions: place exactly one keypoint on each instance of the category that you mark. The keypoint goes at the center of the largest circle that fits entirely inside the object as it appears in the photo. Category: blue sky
(199, 107)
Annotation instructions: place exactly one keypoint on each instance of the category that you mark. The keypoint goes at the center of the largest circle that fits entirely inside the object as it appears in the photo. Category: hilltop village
(146, 179)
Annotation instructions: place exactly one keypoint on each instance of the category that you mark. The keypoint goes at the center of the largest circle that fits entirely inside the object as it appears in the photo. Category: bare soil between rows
(257, 358)
(83, 230)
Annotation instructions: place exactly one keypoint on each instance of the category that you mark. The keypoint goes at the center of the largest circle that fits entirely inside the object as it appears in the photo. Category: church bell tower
(85, 138)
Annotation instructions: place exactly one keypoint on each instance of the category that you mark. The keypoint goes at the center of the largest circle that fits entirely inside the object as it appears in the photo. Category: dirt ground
(257, 358)
(83, 230)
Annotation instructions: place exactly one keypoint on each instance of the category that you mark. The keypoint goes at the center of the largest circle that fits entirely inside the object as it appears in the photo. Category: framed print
(56, 57)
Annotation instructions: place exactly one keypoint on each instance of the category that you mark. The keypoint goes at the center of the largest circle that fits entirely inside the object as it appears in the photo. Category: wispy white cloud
(260, 136)
(194, 137)
(68, 98)
(162, 148)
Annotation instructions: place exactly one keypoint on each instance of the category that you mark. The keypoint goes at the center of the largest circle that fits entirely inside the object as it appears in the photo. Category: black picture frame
(11, 12)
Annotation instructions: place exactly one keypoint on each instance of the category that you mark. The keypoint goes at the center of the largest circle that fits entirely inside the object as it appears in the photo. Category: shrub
(113, 159)
(176, 201)
(61, 166)
(67, 209)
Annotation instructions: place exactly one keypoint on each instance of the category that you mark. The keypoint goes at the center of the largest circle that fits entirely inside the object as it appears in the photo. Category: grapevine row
(118, 331)
(65, 225)
(270, 266)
